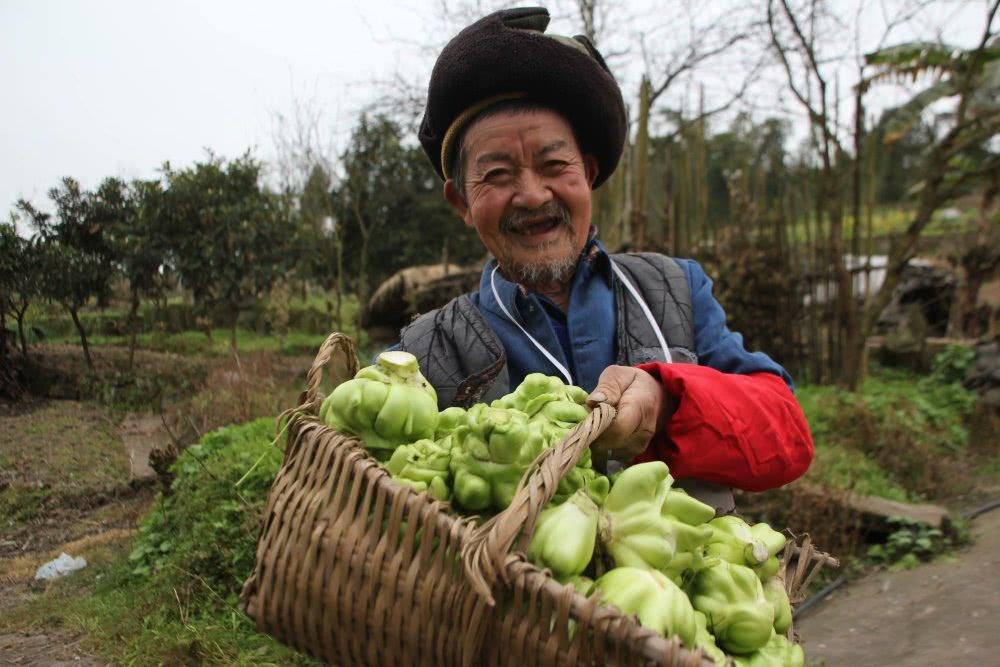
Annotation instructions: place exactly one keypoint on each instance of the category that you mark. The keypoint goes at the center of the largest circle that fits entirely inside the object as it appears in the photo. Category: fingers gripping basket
(356, 569)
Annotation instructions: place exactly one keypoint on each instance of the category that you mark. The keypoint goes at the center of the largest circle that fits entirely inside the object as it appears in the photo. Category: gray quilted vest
(461, 356)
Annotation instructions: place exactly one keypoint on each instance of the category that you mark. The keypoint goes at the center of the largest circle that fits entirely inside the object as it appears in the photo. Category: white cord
(548, 355)
(541, 348)
(645, 311)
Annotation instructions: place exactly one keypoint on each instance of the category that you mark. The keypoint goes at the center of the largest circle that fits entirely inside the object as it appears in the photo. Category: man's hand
(643, 409)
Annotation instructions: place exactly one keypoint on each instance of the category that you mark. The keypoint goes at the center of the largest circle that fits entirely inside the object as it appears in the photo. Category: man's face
(527, 193)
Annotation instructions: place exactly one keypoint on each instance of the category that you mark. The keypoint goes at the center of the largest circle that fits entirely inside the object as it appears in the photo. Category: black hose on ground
(819, 596)
(982, 509)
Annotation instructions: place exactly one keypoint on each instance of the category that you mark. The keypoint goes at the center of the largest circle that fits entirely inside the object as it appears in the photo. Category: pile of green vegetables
(641, 545)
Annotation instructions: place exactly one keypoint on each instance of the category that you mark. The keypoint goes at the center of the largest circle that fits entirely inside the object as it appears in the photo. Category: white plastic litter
(60, 567)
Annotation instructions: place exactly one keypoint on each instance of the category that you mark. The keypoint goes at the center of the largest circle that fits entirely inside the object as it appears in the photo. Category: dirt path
(937, 614)
(42, 650)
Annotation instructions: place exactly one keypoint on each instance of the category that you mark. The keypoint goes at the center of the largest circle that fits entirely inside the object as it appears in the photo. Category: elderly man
(523, 126)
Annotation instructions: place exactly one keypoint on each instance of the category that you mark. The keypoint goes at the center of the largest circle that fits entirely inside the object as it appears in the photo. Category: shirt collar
(594, 255)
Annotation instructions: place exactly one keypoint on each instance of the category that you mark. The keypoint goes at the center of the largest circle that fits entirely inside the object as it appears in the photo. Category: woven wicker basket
(356, 569)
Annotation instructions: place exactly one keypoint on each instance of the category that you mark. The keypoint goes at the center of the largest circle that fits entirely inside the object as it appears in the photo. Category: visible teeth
(537, 227)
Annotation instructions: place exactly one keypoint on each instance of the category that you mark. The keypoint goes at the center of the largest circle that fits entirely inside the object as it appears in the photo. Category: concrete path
(942, 613)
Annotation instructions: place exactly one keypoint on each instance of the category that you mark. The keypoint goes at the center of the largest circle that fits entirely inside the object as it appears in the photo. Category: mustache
(515, 218)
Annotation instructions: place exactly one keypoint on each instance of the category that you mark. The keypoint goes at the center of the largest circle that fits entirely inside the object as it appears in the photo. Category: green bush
(134, 391)
(899, 436)
(206, 526)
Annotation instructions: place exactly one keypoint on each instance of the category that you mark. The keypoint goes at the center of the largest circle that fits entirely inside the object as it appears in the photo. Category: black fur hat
(506, 55)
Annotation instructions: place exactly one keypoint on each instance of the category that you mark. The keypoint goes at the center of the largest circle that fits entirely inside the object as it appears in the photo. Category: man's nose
(532, 191)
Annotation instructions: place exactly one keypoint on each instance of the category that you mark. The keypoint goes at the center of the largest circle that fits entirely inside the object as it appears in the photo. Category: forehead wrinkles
(511, 137)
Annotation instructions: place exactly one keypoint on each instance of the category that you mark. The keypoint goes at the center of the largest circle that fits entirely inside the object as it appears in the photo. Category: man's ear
(590, 168)
(458, 201)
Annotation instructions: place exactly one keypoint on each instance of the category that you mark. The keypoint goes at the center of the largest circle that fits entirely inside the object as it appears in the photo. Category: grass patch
(888, 221)
(844, 468)
(55, 453)
(990, 468)
(20, 503)
(170, 596)
(197, 343)
(900, 436)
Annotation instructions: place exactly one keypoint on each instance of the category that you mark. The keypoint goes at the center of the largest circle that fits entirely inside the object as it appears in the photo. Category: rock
(984, 373)
(906, 345)
(931, 287)
(874, 512)
(983, 376)
(141, 434)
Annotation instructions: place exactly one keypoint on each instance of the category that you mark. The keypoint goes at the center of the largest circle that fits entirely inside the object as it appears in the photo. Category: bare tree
(687, 42)
(306, 161)
(965, 154)
(795, 34)
(303, 139)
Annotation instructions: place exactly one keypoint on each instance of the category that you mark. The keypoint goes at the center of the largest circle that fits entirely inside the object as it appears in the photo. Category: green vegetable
(583, 585)
(448, 421)
(658, 602)
(732, 599)
(526, 397)
(777, 652)
(768, 568)
(490, 453)
(772, 540)
(424, 465)
(582, 477)
(686, 564)
(386, 405)
(689, 510)
(636, 528)
(494, 445)
(777, 596)
(704, 640)
(565, 535)
(555, 407)
(737, 542)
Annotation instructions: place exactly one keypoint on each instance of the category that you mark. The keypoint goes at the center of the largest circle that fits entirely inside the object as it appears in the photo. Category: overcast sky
(102, 88)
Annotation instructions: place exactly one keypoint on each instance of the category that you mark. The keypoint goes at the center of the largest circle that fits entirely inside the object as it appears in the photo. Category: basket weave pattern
(356, 569)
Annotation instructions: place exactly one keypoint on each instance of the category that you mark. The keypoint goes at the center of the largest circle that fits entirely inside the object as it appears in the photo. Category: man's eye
(497, 174)
(555, 165)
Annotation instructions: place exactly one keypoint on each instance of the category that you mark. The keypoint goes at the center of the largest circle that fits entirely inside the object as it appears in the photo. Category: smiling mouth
(538, 227)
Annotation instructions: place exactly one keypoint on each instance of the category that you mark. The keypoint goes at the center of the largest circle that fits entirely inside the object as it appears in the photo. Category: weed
(246, 388)
(21, 503)
(138, 621)
(912, 543)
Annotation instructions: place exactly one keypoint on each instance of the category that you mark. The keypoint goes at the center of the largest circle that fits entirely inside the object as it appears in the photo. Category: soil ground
(941, 613)
(17, 649)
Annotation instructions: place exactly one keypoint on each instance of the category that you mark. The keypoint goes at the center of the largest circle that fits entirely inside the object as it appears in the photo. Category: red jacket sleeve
(744, 431)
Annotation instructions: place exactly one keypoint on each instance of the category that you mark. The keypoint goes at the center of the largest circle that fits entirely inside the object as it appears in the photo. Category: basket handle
(485, 554)
(310, 399)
